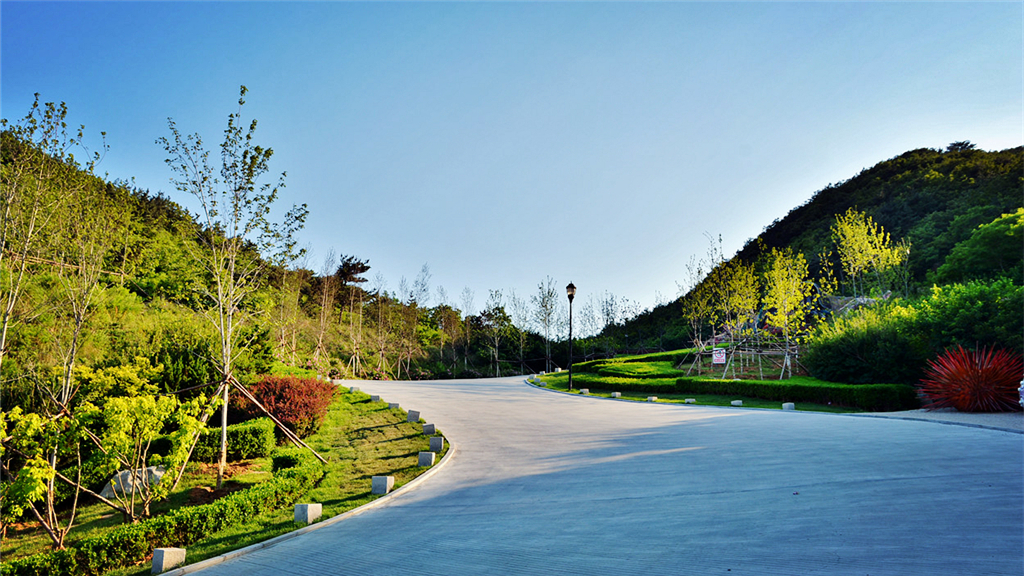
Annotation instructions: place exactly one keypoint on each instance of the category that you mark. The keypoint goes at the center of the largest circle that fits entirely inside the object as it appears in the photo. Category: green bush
(130, 544)
(250, 439)
(871, 397)
(892, 342)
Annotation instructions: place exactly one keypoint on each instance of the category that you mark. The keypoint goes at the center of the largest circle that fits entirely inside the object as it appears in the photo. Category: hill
(932, 198)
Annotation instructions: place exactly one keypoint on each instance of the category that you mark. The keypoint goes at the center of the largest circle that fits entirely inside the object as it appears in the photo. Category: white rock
(123, 481)
(737, 402)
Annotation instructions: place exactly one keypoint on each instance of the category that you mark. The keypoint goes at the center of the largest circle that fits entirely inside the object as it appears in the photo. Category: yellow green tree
(788, 296)
(865, 247)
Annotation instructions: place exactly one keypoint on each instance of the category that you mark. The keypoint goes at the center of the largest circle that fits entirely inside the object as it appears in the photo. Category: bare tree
(234, 215)
(545, 307)
(328, 290)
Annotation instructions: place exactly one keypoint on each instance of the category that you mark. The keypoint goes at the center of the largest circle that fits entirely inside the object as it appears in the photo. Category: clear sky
(501, 143)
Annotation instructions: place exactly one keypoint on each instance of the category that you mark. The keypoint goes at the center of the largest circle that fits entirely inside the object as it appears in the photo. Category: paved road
(545, 483)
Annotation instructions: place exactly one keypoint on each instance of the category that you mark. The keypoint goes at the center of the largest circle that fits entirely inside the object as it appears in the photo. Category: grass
(660, 369)
(359, 438)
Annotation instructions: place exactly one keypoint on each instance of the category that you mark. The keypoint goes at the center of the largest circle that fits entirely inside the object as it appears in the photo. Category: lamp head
(571, 291)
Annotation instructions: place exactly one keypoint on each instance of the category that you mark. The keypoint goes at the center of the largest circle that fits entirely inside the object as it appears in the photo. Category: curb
(854, 415)
(407, 487)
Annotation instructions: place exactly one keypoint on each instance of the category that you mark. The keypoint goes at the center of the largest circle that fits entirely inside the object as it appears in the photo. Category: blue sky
(501, 143)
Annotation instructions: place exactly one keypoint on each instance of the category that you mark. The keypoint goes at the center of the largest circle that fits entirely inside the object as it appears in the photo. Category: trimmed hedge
(249, 439)
(129, 544)
(870, 397)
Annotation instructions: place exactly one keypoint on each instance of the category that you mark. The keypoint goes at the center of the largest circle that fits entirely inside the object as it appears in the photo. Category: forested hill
(933, 199)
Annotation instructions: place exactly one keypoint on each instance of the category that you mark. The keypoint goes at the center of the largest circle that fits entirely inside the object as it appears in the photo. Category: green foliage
(129, 544)
(891, 343)
(870, 397)
(993, 250)
(787, 292)
(251, 439)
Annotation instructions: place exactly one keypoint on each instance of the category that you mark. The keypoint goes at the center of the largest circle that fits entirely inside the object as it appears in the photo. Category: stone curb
(407, 487)
(931, 420)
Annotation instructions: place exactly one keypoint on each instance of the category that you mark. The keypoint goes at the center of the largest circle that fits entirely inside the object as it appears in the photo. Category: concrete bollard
(429, 429)
(543, 373)
(436, 444)
(690, 401)
(166, 558)
(652, 398)
(414, 416)
(558, 369)
(737, 402)
(308, 513)
(382, 484)
(616, 394)
(427, 458)
(374, 398)
(393, 406)
(353, 390)
(788, 406)
(336, 381)
(542, 384)
(585, 391)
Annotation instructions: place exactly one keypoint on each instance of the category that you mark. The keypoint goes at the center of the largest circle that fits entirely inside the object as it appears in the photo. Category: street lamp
(571, 291)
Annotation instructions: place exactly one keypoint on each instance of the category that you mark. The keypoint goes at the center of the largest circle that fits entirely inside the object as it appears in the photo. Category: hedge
(130, 544)
(250, 439)
(870, 397)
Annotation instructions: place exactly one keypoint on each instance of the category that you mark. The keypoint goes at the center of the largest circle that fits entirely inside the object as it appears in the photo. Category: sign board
(718, 356)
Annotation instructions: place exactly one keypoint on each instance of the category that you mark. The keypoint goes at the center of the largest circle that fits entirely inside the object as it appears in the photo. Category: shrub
(250, 439)
(973, 314)
(872, 345)
(974, 381)
(871, 397)
(130, 544)
(300, 403)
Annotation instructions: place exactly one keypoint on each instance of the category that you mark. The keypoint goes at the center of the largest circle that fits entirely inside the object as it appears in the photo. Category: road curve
(545, 483)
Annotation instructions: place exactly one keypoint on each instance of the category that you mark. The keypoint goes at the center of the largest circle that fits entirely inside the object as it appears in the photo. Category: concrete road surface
(547, 483)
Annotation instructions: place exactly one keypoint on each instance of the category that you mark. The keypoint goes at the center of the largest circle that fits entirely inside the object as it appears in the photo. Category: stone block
(616, 394)
(427, 458)
(558, 369)
(382, 484)
(336, 381)
(307, 513)
(652, 398)
(543, 373)
(788, 406)
(122, 482)
(429, 429)
(436, 444)
(414, 416)
(393, 406)
(585, 391)
(690, 401)
(542, 384)
(166, 558)
(737, 402)
(353, 389)
(374, 398)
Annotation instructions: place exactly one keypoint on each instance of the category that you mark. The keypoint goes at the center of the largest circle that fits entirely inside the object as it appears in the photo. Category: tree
(327, 291)
(961, 146)
(520, 322)
(863, 247)
(545, 307)
(992, 250)
(236, 231)
(788, 295)
(497, 326)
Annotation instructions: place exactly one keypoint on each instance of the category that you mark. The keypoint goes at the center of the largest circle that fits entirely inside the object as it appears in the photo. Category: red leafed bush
(974, 381)
(300, 403)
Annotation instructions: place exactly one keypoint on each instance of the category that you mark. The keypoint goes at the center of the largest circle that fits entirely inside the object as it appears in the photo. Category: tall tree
(545, 307)
(788, 294)
(235, 230)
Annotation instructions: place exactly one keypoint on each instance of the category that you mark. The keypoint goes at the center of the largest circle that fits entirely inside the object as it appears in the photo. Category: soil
(206, 494)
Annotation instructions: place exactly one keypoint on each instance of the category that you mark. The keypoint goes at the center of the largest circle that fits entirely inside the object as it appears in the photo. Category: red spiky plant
(973, 380)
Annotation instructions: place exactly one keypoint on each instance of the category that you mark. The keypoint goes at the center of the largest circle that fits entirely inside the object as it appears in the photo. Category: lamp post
(571, 291)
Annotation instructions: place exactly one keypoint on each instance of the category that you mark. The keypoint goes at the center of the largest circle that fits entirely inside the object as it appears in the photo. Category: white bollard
(690, 401)
(436, 444)
(382, 484)
(427, 458)
(652, 398)
(353, 390)
(616, 394)
(429, 429)
(737, 402)
(788, 406)
(166, 558)
(307, 513)
(414, 416)
(585, 391)
(393, 406)
(374, 398)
